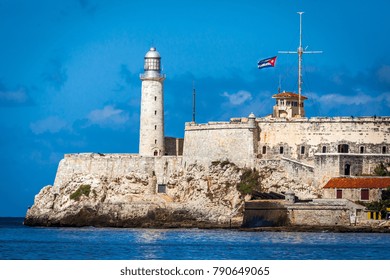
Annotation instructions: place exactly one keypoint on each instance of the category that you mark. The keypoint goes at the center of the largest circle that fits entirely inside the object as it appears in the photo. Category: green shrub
(381, 170)
(82, 190)
(249, 181)
(378, 206)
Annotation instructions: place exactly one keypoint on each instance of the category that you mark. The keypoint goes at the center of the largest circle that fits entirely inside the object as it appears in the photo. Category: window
(264, 150)
(155, 153)
(155, 127)
(324, 149)
(288, 103)
(347, 169)
(155, 98)
(384, 150)
(343, 148)
(365, 194)
(339, 194)
(362, 149)
(161, 188)
(281, 150)
(155, 112)
(155, 141)
(152, 64)
(302, 150)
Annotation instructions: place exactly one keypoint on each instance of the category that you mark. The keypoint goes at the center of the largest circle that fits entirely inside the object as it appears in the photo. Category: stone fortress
(193, 181)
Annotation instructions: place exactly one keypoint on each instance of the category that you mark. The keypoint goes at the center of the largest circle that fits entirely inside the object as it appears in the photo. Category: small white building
(288, 105)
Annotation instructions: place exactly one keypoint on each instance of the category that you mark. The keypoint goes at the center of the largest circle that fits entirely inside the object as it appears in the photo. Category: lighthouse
(151, 142)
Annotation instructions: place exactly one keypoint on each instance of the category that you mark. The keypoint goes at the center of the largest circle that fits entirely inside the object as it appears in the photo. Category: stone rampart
(115, 165)
(319, 212)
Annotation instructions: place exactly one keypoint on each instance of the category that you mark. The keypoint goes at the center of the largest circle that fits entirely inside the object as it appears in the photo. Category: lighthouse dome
(152, 53)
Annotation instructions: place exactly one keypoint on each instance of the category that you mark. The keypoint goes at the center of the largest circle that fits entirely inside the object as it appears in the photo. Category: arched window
(324, 149)
(281, 150)
(362, 149)
(155, 153)
(302, 150)
(384, 150)
(264, 150)
(343, 148)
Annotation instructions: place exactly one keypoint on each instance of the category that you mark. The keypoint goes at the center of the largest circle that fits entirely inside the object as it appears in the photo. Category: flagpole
(300, 64)
(300, 52)
(193, 101)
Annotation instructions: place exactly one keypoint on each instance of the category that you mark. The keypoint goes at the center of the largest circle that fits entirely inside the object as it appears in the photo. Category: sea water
(19, 242)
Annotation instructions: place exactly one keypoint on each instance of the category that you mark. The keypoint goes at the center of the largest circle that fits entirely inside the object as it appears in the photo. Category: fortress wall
(333, 165)
(326, 167)
(214, 141)
(115, 165)
(298, 171)
(371, 161)
(314, 133)
(173, 146)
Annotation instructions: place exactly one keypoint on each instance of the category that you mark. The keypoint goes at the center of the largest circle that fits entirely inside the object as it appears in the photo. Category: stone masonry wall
(116, 165)
(204, 143)
(367, 133)
(354, 194)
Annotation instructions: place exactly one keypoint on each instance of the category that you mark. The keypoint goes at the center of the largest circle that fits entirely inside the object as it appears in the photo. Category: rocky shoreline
(99, 222)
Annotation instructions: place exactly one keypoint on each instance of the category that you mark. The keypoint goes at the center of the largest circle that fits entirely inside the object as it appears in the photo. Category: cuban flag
(268, 62)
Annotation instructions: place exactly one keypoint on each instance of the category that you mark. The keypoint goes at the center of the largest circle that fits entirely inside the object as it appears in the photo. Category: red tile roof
(358, 183)
(288, 95)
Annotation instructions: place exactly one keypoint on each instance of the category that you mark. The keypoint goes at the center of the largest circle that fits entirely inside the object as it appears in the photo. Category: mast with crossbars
(300, 51)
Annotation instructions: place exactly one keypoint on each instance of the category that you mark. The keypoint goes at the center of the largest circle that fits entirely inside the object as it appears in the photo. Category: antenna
(193, 101)
(300, 52)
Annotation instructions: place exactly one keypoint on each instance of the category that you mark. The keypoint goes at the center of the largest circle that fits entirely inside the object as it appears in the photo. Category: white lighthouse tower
(151, 142)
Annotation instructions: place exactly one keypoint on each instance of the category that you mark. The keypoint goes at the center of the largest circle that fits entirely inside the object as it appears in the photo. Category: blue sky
(69, 71)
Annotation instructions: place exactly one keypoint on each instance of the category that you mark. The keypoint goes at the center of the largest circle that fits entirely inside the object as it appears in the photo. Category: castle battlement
(324, 120)
(216, 125)
(99, 155)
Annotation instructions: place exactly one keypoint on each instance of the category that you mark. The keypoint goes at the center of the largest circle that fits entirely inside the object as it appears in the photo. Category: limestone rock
(197, 197)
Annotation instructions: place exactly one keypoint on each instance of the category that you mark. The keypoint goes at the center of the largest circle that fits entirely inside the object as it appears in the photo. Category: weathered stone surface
(195, 197)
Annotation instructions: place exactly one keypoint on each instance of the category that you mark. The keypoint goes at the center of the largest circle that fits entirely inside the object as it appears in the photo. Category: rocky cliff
(95, 190)
(194, 197)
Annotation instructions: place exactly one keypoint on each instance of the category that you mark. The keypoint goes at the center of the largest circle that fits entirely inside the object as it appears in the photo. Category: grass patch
(82, 190)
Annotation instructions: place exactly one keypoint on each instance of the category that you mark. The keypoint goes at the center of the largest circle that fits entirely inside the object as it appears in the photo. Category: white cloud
(238, 98)
(336, 99)
(51, 124)
(108, 115)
